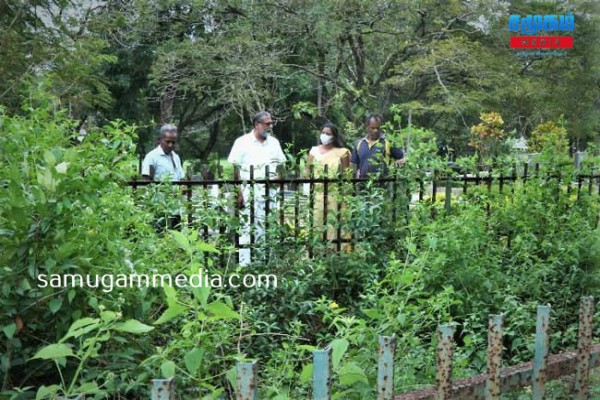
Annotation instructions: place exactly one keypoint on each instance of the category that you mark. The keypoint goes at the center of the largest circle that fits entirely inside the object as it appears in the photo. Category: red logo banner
(541, 42)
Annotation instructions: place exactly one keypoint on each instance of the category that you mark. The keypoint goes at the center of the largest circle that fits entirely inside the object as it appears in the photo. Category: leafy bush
(549, 137)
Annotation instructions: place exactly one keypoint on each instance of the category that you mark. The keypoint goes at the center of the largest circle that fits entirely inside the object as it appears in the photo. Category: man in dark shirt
(371, 154)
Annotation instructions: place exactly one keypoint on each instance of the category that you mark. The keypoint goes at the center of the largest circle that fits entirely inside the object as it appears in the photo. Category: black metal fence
(335, 212)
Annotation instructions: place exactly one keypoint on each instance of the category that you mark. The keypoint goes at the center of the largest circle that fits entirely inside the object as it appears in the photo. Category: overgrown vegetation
(117, 69)
(66, 210)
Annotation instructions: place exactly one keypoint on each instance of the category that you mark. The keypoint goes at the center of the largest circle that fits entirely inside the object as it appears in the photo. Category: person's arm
(147, 169)
(398, 155)
(345, 162)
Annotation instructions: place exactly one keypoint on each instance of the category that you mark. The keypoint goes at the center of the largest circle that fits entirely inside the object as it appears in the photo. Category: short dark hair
(337, 139)
(376, 117)
(259, 116)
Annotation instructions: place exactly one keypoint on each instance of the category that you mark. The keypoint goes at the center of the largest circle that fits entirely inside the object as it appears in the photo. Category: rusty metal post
(540, 359)
(443, 375)
(163, 389)
(247, 379)
(322, 374)
(494, 360)
(385, 367)
(584, 345)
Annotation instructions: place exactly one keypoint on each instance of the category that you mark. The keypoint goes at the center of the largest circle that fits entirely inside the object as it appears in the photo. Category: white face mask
(326, 139)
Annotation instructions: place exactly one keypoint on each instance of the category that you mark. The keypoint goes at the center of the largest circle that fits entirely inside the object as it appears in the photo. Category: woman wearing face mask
(332, 154)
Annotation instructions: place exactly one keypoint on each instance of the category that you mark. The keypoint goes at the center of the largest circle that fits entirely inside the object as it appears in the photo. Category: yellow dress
(333, 160)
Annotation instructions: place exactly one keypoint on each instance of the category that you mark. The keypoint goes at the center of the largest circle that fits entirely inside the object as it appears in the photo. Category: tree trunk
(166, 104)
(212, 140)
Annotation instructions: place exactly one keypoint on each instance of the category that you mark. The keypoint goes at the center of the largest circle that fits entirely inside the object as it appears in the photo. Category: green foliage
(68, 211)
(549, 137)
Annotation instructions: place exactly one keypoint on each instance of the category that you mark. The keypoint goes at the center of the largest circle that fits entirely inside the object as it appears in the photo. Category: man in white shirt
(162, 162)
(257, 149)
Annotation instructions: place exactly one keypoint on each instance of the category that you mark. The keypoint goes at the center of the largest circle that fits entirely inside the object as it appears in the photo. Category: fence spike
(443, 374)
(540, 360)
(448, 194)
(494, 360)
(584, 344)
(163, 389)
(385, 367)
(247, 379)
(322, 374)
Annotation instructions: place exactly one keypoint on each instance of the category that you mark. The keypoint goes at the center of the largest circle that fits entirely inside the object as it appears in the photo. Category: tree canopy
(206, 65)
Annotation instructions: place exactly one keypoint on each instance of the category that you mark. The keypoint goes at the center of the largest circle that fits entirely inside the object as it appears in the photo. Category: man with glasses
(162, 162)
(258, 150)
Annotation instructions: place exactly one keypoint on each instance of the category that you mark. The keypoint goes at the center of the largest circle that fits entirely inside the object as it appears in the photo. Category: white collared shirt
(164, 165)
(249, 151)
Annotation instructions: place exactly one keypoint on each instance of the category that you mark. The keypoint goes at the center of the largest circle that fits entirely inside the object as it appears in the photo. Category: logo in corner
(531, 25)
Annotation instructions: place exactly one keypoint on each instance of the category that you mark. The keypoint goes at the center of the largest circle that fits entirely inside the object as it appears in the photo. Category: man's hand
(400, 162)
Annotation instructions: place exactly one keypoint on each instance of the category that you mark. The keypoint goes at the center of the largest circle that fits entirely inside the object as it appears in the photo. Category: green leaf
(109, 316)
(307, 372)
(306, 347)
(222, 311)
(182, 241)
(193, 360)
(407, 278)
(54, 351)
(232, 376)
(81, 327)
(49, 157)
(351, 373)
(338, 349)
(202, 294)
(133, 326)
(170, 313)
(6, 232)
(88, 388)
(207, 248)
(372, 313)
(71, 295)
(9, 330)
(55, 305)
(168, 369)
(45, 392)
(47, 181)
(171, 295)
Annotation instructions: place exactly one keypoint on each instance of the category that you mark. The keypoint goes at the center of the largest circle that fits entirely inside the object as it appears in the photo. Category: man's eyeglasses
(267, 123)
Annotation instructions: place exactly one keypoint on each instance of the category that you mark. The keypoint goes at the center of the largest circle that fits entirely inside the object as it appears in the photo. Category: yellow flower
(333, 305)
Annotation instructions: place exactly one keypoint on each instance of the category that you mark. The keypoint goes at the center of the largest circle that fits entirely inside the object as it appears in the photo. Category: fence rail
(489, 386)
(319, 203)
